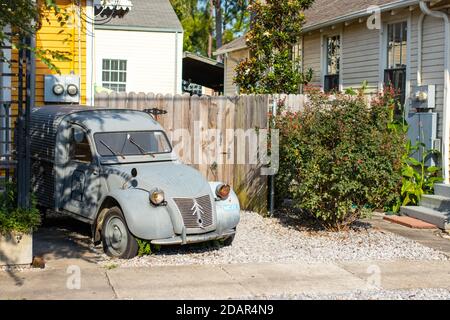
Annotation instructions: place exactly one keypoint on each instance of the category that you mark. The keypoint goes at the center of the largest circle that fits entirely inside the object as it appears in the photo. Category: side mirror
(78, 135)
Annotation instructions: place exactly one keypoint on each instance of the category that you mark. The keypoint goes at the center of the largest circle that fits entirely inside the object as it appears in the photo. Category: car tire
(228, 241)
(117, 240)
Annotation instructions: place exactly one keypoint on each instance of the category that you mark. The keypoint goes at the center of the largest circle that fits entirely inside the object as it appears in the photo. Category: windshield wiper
(141, 149)
(111, 150)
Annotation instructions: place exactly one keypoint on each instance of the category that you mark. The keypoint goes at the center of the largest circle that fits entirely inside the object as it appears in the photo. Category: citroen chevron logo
(197, 210)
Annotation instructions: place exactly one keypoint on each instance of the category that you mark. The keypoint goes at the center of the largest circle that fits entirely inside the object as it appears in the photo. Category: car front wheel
(117, 240)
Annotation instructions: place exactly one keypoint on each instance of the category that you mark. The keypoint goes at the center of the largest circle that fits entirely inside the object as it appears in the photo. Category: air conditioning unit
(62, 89)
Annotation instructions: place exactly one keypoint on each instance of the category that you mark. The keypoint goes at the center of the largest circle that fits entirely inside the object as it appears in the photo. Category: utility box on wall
(423, 97)
(62, 89)
(423, 128)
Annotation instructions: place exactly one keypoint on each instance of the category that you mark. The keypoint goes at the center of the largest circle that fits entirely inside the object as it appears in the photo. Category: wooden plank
(213, 139)
(204, 164)
(194, 130)
(220, 143)
(186, 116)
(177, 122)
(141, 101)
(132, 101)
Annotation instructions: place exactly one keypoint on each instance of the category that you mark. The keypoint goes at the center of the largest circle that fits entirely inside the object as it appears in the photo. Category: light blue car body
(87, 190)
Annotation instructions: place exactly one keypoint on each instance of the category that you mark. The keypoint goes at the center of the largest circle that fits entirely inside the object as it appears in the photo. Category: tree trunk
(219, 19)
(210, 38)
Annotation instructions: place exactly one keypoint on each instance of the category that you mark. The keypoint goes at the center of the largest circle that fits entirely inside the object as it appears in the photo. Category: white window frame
(324, 56)
(384, 56)
(109, 83)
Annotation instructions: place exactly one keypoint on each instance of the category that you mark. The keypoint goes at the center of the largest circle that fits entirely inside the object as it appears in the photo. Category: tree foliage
(24, 18)
(340, 158)
(276, 27)
(208, 24)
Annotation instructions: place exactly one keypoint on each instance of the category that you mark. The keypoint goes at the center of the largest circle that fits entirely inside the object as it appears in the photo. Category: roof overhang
(113, 4)
(341, 19)
(203, 71)
(227, 50)
(361, 14)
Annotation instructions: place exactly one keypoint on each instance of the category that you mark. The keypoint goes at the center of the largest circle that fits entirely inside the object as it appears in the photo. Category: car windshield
(148, 143)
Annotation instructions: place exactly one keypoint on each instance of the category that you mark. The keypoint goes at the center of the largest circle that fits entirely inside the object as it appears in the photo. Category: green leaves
(417, 178)
(273, 67)
(13, 218)
(25, 19)
(340, 159)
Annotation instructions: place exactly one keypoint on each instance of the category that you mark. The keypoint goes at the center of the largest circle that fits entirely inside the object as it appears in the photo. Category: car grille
(196, 212)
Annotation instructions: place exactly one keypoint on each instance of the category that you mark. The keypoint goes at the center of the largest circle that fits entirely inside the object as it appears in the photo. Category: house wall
(360, 57)
(312, 56)
(232, 59)
(154, 58)
(433, 52)
(364, 54)
(72, 41)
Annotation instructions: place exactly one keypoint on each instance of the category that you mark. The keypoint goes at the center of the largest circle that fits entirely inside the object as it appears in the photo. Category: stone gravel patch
(266, 240)
(414, 294)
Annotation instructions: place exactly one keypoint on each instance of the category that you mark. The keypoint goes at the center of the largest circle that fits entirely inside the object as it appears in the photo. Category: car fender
(228, 211)
(144, 220)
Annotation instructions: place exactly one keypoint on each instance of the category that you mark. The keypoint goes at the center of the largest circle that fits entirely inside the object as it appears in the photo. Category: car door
(82, 182)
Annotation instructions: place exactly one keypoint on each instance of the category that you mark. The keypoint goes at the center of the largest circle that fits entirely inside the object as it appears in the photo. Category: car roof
(98, 119)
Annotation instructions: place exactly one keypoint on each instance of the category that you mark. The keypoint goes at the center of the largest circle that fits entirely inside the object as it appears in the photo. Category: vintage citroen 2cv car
(116, 170)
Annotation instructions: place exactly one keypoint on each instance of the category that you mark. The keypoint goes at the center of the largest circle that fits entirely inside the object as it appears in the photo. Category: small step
(436, 202)
(410, 222)
(441, 189)
(439, 219)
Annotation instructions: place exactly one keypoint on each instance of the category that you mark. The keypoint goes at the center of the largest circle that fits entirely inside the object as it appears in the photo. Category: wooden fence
(211, 133)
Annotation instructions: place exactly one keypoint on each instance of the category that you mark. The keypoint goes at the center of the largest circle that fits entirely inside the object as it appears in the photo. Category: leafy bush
(417, 178)
(16, 219)
(340, 158)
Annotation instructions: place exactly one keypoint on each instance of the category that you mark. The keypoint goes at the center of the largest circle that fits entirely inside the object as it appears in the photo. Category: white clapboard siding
(231, 62)
(433, 48)
(312, 55)
(360, 56)
(154, 58)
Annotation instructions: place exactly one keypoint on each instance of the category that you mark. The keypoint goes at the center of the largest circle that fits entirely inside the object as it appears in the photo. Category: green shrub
(340, 158)
(16, 219)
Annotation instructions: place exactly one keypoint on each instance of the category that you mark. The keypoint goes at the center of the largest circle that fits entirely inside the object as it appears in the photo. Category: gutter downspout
(446, 107)
(176, 64)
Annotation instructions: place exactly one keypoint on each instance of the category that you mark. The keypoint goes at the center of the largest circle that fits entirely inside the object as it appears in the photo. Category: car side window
(81, 151)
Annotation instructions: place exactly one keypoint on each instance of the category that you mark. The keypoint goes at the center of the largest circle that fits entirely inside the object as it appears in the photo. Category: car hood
(176, 180)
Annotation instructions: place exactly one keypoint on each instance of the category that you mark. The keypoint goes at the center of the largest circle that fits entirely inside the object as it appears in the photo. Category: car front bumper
(196, 238)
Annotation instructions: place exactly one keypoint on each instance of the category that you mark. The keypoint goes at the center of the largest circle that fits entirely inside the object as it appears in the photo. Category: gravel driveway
(260, 240)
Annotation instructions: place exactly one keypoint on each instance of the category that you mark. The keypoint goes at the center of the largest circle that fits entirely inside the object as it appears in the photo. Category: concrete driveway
(72, 272)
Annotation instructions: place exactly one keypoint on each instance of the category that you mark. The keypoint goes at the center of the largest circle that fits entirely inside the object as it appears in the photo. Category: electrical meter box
(423, 97)
(423, 129)
(62, 89)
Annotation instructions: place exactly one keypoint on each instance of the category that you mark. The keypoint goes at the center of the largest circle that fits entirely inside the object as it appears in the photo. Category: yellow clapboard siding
(68, 41)
(49, 37)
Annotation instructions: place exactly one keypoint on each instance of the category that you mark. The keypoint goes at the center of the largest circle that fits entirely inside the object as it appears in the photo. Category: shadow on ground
(62, 237)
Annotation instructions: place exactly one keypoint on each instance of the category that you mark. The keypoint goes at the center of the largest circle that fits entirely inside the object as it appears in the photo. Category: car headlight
(223, 191)
(157, 197)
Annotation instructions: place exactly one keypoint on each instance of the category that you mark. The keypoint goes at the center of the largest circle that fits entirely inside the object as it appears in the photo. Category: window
(114, 75)
(132, 143)
(395, 73)
(81, 151)
(333, 63)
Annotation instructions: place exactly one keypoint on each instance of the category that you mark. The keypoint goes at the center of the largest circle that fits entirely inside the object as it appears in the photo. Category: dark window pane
(123, 65)
(105, 76)
(114, 65)
(333, 55)
(106, 64)
(81, 151)
(114, 76)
